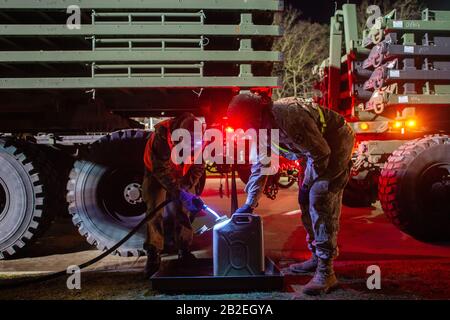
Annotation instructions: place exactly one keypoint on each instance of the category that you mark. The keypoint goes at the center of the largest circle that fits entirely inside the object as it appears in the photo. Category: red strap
(148, 153)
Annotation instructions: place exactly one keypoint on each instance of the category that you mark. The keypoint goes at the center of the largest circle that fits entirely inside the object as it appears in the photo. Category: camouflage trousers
(321, 210)
(169, 227)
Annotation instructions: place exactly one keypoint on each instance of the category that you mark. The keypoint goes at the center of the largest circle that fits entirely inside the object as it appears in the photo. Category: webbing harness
(322, 121)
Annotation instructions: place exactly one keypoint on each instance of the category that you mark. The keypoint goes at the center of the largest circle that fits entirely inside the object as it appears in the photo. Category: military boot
(324, 279)
(307, 266)
(153, 262)
(186, 257)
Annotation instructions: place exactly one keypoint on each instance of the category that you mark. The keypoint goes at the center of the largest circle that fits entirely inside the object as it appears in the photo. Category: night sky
(322, 10)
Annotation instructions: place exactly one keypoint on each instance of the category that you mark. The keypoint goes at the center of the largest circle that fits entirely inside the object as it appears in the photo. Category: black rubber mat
(198, 278)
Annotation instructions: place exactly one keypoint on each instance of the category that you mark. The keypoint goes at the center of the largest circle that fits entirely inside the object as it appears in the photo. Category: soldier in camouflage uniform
(163, 180)
(326, 140)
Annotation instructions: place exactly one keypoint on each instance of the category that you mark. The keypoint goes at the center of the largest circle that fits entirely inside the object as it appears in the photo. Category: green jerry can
(238, 245)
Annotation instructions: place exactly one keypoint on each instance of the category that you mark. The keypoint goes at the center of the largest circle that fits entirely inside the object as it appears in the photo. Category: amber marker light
(411, 123)
(364, 126)
(398, 124)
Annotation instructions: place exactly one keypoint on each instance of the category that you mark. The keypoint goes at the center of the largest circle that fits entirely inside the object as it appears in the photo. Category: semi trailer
(74, 77)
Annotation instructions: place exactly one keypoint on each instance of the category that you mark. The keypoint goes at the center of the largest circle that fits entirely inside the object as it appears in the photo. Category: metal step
(385, 51)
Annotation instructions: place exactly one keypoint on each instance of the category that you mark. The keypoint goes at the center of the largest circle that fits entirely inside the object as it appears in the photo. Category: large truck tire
(104, 192)
(25, 196)
(414, 188)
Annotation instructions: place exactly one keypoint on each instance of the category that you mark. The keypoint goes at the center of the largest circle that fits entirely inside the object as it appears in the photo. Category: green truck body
(392, 83)
(128, 52)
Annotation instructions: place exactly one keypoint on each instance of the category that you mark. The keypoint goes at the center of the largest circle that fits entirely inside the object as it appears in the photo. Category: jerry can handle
(241, 218)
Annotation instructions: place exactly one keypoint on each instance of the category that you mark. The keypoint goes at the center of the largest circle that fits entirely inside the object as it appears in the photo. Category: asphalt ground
(410, 269)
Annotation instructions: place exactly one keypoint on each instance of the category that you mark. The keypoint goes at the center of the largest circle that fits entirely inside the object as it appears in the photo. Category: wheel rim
(133, 193)
(120, 195)
(4, 199)
(434, 188)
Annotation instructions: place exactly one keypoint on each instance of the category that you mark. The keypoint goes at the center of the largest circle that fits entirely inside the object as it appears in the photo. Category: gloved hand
(191, 202)
(303, 195)
(245, 209)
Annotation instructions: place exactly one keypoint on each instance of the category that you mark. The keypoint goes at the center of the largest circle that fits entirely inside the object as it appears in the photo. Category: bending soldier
(326, 140)
(165, 179)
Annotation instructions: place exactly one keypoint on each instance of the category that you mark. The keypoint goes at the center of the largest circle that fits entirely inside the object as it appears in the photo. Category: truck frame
(392, 83)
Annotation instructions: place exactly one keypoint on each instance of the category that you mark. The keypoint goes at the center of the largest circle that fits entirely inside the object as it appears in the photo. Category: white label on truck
(403, 99)
(398, 24)
(409, 49)
(394, 74)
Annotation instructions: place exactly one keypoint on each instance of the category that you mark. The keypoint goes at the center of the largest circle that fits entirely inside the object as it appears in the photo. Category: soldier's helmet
(245, 111)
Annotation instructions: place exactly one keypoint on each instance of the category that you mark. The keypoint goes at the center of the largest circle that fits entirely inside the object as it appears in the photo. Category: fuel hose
(51, 276)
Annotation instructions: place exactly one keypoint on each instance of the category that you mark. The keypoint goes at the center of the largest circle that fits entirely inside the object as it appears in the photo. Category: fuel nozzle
(215, 214)
(218, 219)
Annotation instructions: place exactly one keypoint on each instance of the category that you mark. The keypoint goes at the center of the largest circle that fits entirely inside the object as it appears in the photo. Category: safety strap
(280, 147)
(322, 120)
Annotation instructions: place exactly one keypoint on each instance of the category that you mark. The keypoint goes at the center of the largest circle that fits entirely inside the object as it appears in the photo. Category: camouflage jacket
(164, 170)
(303, 128)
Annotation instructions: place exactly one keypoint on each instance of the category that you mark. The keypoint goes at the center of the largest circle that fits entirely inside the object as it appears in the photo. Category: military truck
(392, 82)
(74, 76)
